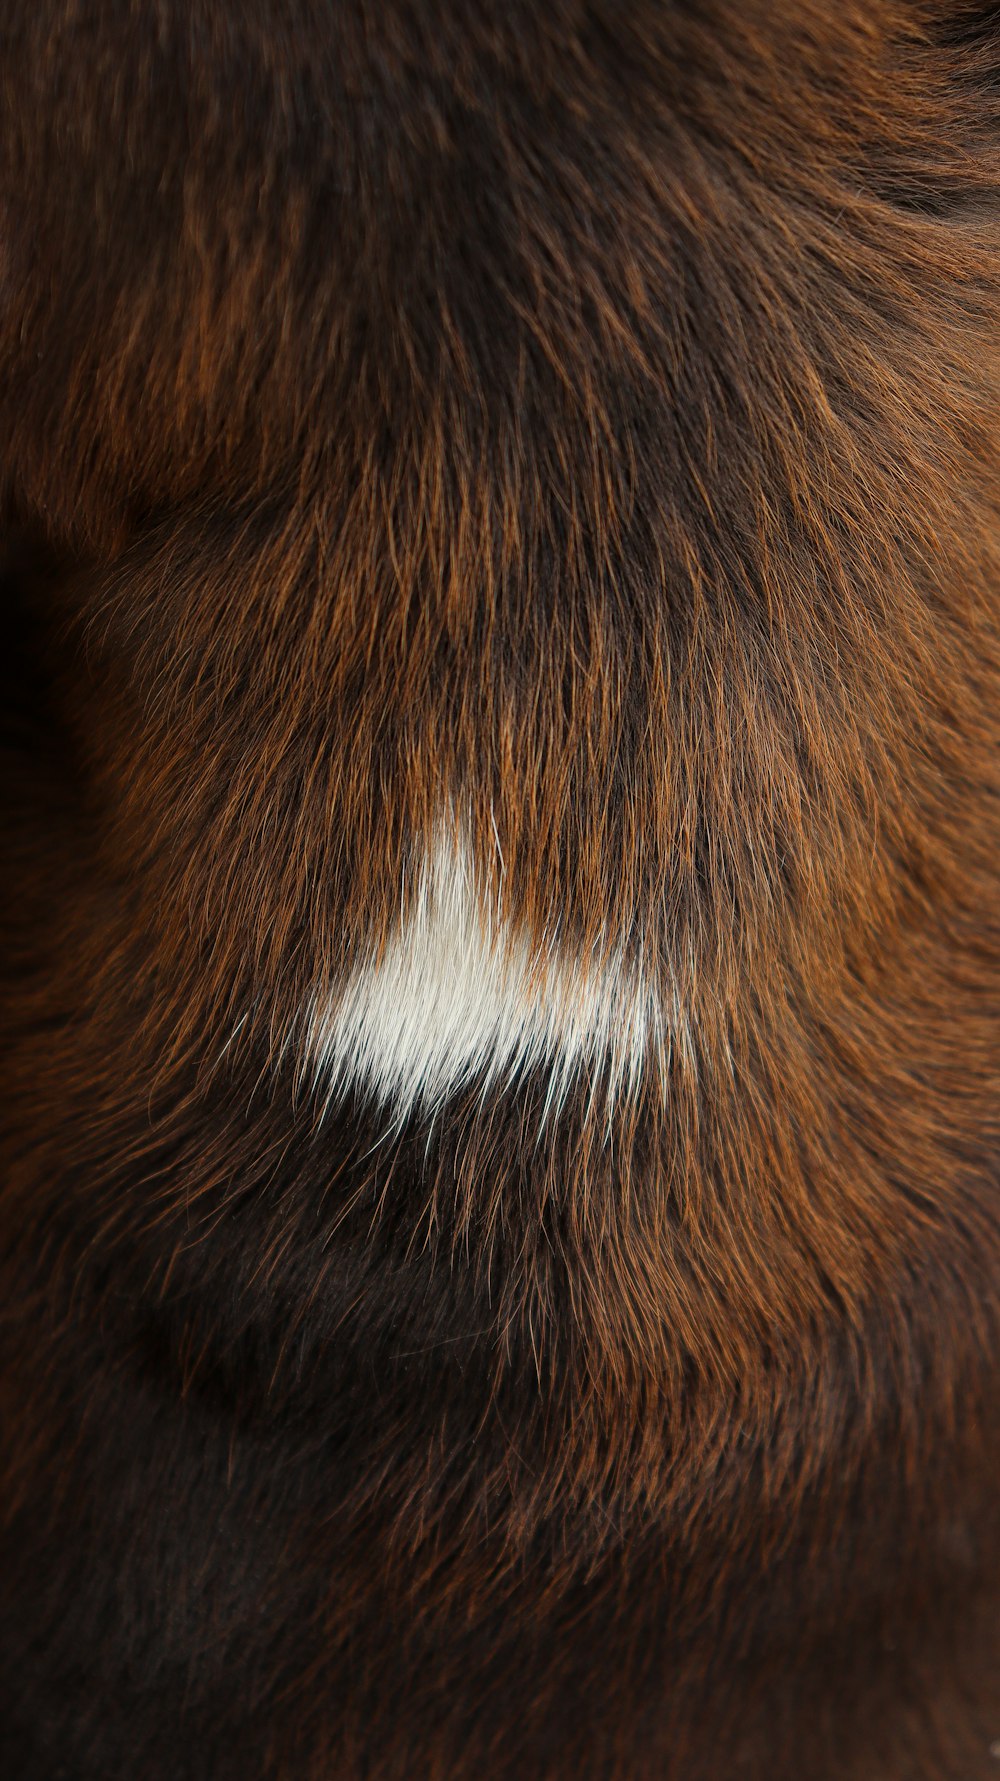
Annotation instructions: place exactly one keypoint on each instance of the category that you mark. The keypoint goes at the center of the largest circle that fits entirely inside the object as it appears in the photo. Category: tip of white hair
(459, 995)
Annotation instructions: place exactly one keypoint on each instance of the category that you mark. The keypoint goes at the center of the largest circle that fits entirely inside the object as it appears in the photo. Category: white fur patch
(459, 995)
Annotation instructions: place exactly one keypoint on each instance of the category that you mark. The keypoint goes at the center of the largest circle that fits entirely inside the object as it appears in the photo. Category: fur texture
(583, 419)
(455, 997)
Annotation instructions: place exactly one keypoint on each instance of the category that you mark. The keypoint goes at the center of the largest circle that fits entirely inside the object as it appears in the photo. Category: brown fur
(587, 414)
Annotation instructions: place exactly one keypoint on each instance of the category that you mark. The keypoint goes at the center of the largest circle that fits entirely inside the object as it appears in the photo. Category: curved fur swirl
(500, 1222)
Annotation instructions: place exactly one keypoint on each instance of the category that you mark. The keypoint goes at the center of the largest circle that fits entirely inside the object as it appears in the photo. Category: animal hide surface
(500, 906)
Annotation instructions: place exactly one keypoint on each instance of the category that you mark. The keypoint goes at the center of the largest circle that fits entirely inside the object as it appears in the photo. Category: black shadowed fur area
(578, 423)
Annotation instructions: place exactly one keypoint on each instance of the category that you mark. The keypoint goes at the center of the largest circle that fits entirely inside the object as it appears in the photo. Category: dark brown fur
(590, 413)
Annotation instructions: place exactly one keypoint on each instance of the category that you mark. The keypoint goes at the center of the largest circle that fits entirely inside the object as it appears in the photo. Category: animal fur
(554, 451)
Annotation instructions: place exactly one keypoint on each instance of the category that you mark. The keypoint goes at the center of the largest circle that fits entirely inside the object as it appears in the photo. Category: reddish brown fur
(587, 414)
